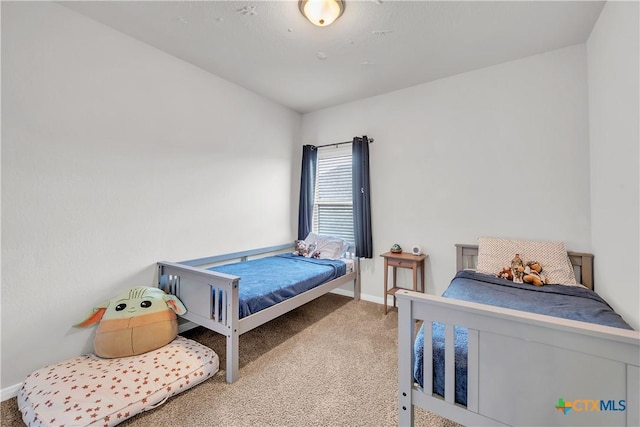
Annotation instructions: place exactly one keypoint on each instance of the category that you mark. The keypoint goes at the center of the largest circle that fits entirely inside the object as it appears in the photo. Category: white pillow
(495, 253)
(329, 247)
(311, 238)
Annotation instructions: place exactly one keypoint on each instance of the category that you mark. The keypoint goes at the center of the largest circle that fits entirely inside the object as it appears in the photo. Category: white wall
(613, 71)
(500, 151)
(116, 156)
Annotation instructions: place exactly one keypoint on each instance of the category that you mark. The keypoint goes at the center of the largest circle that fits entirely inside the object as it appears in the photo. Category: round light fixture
(321, 12)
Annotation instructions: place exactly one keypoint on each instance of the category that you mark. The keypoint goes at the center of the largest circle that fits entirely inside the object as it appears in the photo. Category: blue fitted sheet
(568, 302)
(267, 281)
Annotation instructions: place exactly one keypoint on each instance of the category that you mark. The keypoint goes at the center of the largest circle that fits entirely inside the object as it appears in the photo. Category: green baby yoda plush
(135, 322)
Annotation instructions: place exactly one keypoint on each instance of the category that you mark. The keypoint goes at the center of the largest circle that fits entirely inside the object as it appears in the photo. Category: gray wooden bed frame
(219, 310)
(519, 364)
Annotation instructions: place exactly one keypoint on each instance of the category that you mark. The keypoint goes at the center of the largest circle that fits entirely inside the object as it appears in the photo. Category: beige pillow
(495, 253)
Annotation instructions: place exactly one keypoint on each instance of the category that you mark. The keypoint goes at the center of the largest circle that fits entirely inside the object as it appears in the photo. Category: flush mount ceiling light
(321, 12)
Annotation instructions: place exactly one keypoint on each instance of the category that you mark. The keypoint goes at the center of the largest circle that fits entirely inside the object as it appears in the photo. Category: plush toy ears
(175, 304)
(95, 316)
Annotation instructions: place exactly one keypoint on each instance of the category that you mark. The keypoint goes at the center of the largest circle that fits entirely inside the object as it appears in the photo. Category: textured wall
(116, 156)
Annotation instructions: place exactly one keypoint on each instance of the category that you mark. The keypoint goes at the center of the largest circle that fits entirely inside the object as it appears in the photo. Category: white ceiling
(377, 46)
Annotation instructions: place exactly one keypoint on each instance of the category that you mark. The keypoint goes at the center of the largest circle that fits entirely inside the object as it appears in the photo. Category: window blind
(333, 207)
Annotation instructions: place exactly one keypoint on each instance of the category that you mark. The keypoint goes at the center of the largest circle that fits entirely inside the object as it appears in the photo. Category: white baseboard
(186, 326)
(9, 392)
(364, 297)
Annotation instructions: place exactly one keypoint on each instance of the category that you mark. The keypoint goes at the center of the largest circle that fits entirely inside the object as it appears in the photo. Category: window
(333, 204)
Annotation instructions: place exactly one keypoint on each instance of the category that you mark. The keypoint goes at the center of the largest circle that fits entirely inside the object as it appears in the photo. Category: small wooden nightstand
(402, 260)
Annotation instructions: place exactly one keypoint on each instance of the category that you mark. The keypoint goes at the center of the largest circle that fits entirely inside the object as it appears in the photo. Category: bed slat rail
(428, 367)
(466, 256)
(449, 364)
(242, 255)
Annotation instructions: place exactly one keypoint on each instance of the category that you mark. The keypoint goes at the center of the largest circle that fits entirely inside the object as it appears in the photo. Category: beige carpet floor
(332, 362)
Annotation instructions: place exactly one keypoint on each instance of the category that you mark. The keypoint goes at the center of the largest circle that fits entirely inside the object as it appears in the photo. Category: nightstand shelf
(401, 260)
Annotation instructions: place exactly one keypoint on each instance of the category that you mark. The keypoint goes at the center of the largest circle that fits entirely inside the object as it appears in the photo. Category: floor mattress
(92, 391)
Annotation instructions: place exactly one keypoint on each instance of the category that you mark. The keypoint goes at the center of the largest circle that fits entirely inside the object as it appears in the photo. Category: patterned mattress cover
(92, 391)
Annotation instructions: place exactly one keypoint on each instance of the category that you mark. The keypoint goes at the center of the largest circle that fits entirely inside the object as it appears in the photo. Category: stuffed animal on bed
(135, 322)
(312, 251)
(517, 269)
(533, 274)
(300, 248)
(505, 274)
(529, 272)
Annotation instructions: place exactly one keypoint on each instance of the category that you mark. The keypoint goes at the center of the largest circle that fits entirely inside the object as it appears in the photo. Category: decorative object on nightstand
(396, 249)
(416, 250)
(402, 260)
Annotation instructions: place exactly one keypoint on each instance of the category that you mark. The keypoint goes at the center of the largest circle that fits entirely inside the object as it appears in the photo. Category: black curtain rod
(339, 143)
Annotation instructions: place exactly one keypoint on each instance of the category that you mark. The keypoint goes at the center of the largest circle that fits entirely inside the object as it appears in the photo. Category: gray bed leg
(233, 337)
(405, 364)
(232, 357)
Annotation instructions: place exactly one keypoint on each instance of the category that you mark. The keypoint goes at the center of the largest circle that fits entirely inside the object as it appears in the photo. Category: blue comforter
(267, 281)
(569, 302)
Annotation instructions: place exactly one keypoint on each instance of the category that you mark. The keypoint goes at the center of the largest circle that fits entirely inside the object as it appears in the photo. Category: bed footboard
(212, 301)
(522, 368)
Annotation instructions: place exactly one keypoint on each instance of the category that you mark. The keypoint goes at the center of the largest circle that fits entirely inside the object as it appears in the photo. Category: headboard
(467, 257)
